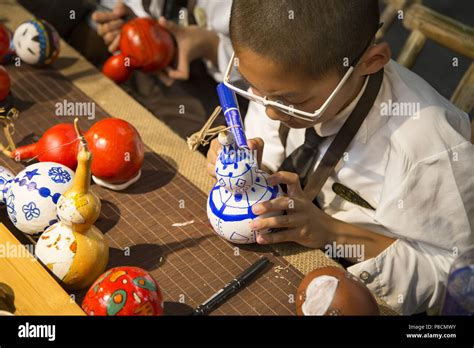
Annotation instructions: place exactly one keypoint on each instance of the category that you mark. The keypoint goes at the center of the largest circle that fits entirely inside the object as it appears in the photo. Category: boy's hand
(304, 222)
(255, 144)
(109, 24)
(193, 42)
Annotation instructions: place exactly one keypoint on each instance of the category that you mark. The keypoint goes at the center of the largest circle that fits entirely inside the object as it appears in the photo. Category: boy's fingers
(177, 74)
(211, 170)
(277, 237)
(182, 71)
(110, 26)
(111, 36)
(257, 144)
(213, 151)
(168, 25)
(277, 204)
(165, 79)
(212, 157)
(113, 47)
(103, 17)
(215, 145)
(119, 11)
(98, 16)
(292, 180)
(281, 221)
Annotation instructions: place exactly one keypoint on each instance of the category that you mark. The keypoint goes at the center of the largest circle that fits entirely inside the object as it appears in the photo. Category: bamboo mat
(79, 79)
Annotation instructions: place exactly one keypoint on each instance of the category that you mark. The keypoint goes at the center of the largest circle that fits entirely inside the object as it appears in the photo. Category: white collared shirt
(415, 170)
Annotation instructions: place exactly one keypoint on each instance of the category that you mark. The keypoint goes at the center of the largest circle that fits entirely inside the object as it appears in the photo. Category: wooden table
(36, 291)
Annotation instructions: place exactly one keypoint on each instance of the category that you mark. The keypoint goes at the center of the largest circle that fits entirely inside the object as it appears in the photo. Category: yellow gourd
(78, 206)
(74, 249)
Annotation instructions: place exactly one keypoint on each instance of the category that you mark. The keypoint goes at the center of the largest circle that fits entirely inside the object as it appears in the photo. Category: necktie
(303, 159)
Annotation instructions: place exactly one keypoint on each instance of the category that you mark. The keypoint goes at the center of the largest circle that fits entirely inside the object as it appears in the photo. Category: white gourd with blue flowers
(31, 196)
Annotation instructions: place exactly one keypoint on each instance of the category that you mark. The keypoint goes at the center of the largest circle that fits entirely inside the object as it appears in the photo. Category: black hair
(311, 37)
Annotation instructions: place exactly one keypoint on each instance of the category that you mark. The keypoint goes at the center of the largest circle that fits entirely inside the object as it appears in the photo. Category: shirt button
(365, 277)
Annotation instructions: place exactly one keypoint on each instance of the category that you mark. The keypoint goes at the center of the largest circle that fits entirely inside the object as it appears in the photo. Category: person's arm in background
(109, 24)
(209, 40)
(193, 42)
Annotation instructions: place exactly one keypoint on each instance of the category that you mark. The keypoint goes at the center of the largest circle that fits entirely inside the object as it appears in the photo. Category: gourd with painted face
(36, 42)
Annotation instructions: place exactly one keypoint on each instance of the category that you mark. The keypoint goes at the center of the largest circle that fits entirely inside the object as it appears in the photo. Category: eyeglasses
(289, 109)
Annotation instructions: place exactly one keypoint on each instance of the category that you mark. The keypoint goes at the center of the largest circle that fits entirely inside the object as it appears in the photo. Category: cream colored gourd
(74, 249)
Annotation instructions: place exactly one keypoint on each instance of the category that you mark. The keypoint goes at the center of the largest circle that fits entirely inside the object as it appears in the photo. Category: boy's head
(297, 51)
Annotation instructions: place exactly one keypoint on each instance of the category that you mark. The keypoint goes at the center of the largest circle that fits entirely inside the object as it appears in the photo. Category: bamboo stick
(411, 49)
(463, 96)
(441, 29)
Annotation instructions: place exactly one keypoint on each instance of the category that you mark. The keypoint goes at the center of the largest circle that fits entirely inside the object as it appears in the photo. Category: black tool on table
(233, 287)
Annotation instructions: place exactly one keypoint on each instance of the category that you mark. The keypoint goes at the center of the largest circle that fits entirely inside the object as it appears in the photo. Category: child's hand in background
(109, 24)
(193, 43)
(304, 223)
(255, 144)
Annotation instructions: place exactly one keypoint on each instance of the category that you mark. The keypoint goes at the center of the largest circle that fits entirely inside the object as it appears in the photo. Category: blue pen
(231, 110)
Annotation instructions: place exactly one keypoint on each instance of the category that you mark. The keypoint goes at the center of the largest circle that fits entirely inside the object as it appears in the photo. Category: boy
(410, 172)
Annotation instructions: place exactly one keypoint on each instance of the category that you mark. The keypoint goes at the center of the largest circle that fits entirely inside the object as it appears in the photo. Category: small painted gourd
(6, 177)
(79, 207)
(31, 196)
(74, 249)
(129, 291)
(36, 42)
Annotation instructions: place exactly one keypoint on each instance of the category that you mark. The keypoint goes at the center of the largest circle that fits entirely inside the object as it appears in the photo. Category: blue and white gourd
(6, 177)
(240, 185)
(32, 195)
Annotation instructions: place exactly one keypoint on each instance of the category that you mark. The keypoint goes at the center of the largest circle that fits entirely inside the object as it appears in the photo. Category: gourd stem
(80, 135)
(82, 178)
